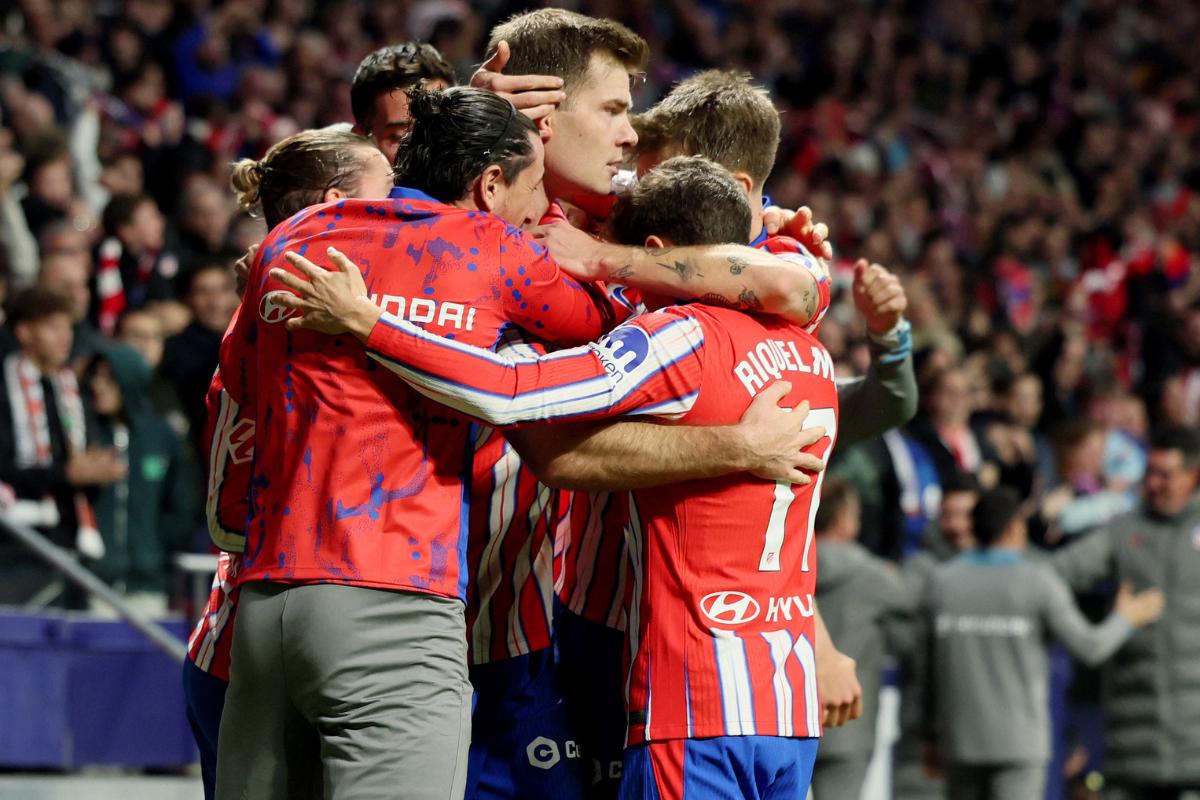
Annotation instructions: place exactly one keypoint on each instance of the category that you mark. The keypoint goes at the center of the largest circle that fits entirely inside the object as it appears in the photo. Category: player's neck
(756, 213)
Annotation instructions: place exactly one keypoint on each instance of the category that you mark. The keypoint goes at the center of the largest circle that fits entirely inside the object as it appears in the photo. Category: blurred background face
(106, 394)
(207, 214)
(146, 229)
(47, 341)
(68, 275)
(954, 520)
(213, 298)
(950, 402)
(1025, 401)
(52, 184)
(590, 132)
(143, 332)
(1169, 484)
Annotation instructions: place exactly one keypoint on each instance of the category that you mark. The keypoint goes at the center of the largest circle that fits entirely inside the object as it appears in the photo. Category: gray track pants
(345, 693)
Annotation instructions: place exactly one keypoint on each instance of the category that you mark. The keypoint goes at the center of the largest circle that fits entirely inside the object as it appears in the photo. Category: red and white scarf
(31, 429)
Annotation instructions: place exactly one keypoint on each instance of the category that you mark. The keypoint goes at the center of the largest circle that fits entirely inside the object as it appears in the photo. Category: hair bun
(423, 104)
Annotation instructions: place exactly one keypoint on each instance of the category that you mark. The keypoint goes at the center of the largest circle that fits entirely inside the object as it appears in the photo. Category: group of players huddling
(452, 573)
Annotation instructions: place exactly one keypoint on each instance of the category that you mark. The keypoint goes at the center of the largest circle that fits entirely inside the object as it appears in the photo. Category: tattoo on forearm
(808, 302)
(736, 265)
(686, 270)
(624, 272)
(749, 300)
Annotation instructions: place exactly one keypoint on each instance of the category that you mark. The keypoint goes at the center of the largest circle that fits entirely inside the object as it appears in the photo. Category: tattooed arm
(728, 275)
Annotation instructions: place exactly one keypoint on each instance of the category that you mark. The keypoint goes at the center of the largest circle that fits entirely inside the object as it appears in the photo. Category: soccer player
(379, 91)
(351, 581)
(722, 691)
(511, 600)
(311, 167)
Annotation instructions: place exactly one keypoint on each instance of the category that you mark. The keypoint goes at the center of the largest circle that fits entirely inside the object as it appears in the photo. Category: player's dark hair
(400, 66)
(554, 41)
(31, 305)
(836, 496)
(296, 172)
(456, 135)
(687, 200)
(1185, 440)
(719, 115)
(995, 510)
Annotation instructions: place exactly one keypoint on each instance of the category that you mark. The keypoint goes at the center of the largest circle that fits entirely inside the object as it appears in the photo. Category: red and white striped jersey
(721, 630)
(230, 463)
(211, 641)
(591, 577)
(510, 549)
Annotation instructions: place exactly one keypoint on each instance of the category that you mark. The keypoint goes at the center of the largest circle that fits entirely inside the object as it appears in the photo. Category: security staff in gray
(1151, 696)
(988, 614)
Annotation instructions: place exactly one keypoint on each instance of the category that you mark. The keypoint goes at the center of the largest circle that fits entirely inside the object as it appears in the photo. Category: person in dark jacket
(1151, 693)
(190, 356)
(44, 454)
(148, 514)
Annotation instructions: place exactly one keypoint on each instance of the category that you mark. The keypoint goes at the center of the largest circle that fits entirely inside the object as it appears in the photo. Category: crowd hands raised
(1038, 234)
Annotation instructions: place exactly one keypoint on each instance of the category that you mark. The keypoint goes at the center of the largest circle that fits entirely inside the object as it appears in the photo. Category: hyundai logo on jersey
(729, 608)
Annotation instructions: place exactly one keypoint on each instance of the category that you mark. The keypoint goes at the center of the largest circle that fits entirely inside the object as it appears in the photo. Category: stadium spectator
(44, 450)
(1151, 685)
(190, 356)
(149, 513)
(987, 616)
(67, 275)
(858, 592)
(131, 267)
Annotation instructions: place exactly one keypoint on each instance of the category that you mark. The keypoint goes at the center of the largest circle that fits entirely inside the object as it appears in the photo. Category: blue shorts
(722, 768)
(521, 744)
(205, 696)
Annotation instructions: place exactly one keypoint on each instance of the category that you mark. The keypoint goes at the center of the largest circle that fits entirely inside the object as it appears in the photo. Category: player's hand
(878, 296)
(799, 225)
(535, 96)
(1142, 608)
(775, 437)
(331, 301)
(576, 252)
(841, 693)
(241, 269)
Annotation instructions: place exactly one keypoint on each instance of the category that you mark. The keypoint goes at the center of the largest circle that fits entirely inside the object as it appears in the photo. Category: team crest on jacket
(271, 310)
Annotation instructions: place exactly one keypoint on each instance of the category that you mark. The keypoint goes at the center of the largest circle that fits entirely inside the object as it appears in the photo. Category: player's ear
(745, 181)
(489, 187)
(545, 127)
(333, 193)
(654, 242)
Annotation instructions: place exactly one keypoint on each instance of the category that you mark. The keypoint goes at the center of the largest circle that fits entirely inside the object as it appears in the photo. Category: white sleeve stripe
(558, 402)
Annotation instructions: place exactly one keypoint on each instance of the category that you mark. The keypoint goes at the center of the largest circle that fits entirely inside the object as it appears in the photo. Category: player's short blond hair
(717, 114)
(553, 41)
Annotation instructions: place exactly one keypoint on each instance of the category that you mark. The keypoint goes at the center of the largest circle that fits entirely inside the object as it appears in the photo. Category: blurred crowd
(1030, 169)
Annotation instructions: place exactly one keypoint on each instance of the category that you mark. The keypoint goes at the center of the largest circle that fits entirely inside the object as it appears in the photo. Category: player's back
(721, 628)
(358, 479)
